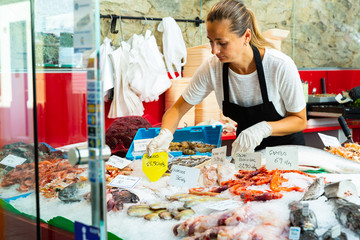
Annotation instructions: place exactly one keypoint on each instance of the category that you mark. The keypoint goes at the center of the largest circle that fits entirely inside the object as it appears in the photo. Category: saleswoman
(256, 86)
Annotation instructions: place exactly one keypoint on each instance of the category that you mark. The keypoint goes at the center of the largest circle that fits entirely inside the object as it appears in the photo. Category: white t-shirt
(282, 81)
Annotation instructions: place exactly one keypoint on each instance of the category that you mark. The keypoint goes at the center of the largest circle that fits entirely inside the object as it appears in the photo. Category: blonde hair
(241, 18)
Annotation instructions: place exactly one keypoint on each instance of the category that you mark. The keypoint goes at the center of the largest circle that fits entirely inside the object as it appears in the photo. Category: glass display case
(48, 57)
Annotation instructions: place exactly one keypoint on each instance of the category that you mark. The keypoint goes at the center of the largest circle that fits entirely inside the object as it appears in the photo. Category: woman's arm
(174, 114)
(292, 123)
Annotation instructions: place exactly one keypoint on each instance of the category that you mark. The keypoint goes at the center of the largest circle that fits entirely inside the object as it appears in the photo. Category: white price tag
(218, 156)
(282, 158)
(182, 176)
(123, 181)
(12, 160)
(224, 205)
(118, 162)
(247, 161)
(294, 233)
(141, 144)
(329, 141)
(305, 209)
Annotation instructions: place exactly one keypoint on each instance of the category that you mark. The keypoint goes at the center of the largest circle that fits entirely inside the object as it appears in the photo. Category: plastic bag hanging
(147, 73)
(106, 68)
(125, 101)
(173, 45)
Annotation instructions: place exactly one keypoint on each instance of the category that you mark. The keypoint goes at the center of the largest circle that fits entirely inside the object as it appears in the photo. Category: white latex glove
(160, 143)
(251, 137)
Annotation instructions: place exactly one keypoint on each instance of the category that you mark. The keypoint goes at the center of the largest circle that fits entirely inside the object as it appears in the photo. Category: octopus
(239, 223)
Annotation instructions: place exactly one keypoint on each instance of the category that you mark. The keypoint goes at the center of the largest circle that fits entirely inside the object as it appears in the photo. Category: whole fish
(329, 235)
(315, 190)
(309, 156)
(75, 192)
(116, 197)
(348, 214)
(306, 220)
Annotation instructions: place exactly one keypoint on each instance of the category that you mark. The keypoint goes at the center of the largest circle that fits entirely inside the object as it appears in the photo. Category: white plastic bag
(106, 68)
(173, 45)
(147, 74)
(125, 102)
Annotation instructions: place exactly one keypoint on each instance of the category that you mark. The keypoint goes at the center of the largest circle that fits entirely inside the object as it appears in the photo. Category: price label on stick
(122, 181)
(182, 176)
(155, 166)
(282, 158)
(12, 160)
(329, 141)
(218, 156)
(247, 161)
(294, 233)
(118, 162)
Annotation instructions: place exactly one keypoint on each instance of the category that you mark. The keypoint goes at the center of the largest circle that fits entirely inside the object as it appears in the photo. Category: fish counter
(225, 203)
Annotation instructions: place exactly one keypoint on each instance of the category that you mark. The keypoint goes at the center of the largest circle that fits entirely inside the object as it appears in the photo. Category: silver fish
(315, 190)
(75, 192)
(310, 156)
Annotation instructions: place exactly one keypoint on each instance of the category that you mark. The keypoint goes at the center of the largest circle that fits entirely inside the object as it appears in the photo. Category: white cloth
(174, 48)
(251, 137)
(160, 143)
(147, 73)
(125, 102)
(282, 81)
(106, 68)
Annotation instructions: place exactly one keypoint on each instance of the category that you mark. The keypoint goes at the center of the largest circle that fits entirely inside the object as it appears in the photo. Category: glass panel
(61, 114)
(61, 81)
(17, 153)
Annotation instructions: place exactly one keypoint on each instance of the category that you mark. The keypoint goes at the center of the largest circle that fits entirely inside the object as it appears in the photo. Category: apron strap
(261, 76)
(226, 82)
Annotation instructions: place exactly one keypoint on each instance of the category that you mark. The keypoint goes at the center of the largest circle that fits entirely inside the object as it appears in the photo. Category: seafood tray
(188, 161)
(208, 135)
(191, 148)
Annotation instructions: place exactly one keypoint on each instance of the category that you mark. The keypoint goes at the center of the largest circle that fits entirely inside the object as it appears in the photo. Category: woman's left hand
(251, 137)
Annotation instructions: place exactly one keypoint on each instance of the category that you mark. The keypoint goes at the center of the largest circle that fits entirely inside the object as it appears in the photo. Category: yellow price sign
(155, 166)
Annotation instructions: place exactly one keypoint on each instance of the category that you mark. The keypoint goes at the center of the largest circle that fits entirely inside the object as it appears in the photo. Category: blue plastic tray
(206, 134)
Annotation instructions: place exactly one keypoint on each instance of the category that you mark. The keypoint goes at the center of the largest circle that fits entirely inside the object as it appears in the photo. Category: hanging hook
(113, 25)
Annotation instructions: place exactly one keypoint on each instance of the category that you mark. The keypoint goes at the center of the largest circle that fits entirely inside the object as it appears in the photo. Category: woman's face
(226, 45)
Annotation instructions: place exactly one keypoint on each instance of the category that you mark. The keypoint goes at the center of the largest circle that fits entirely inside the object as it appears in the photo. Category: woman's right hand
(160, 143)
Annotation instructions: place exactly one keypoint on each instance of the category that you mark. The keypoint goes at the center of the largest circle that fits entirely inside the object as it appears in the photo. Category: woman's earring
(245, 44)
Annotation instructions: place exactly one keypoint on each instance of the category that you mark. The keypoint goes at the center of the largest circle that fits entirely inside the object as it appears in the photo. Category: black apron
(248, 116)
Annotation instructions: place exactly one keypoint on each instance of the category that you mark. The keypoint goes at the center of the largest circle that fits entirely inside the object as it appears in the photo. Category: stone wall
(326, 32)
